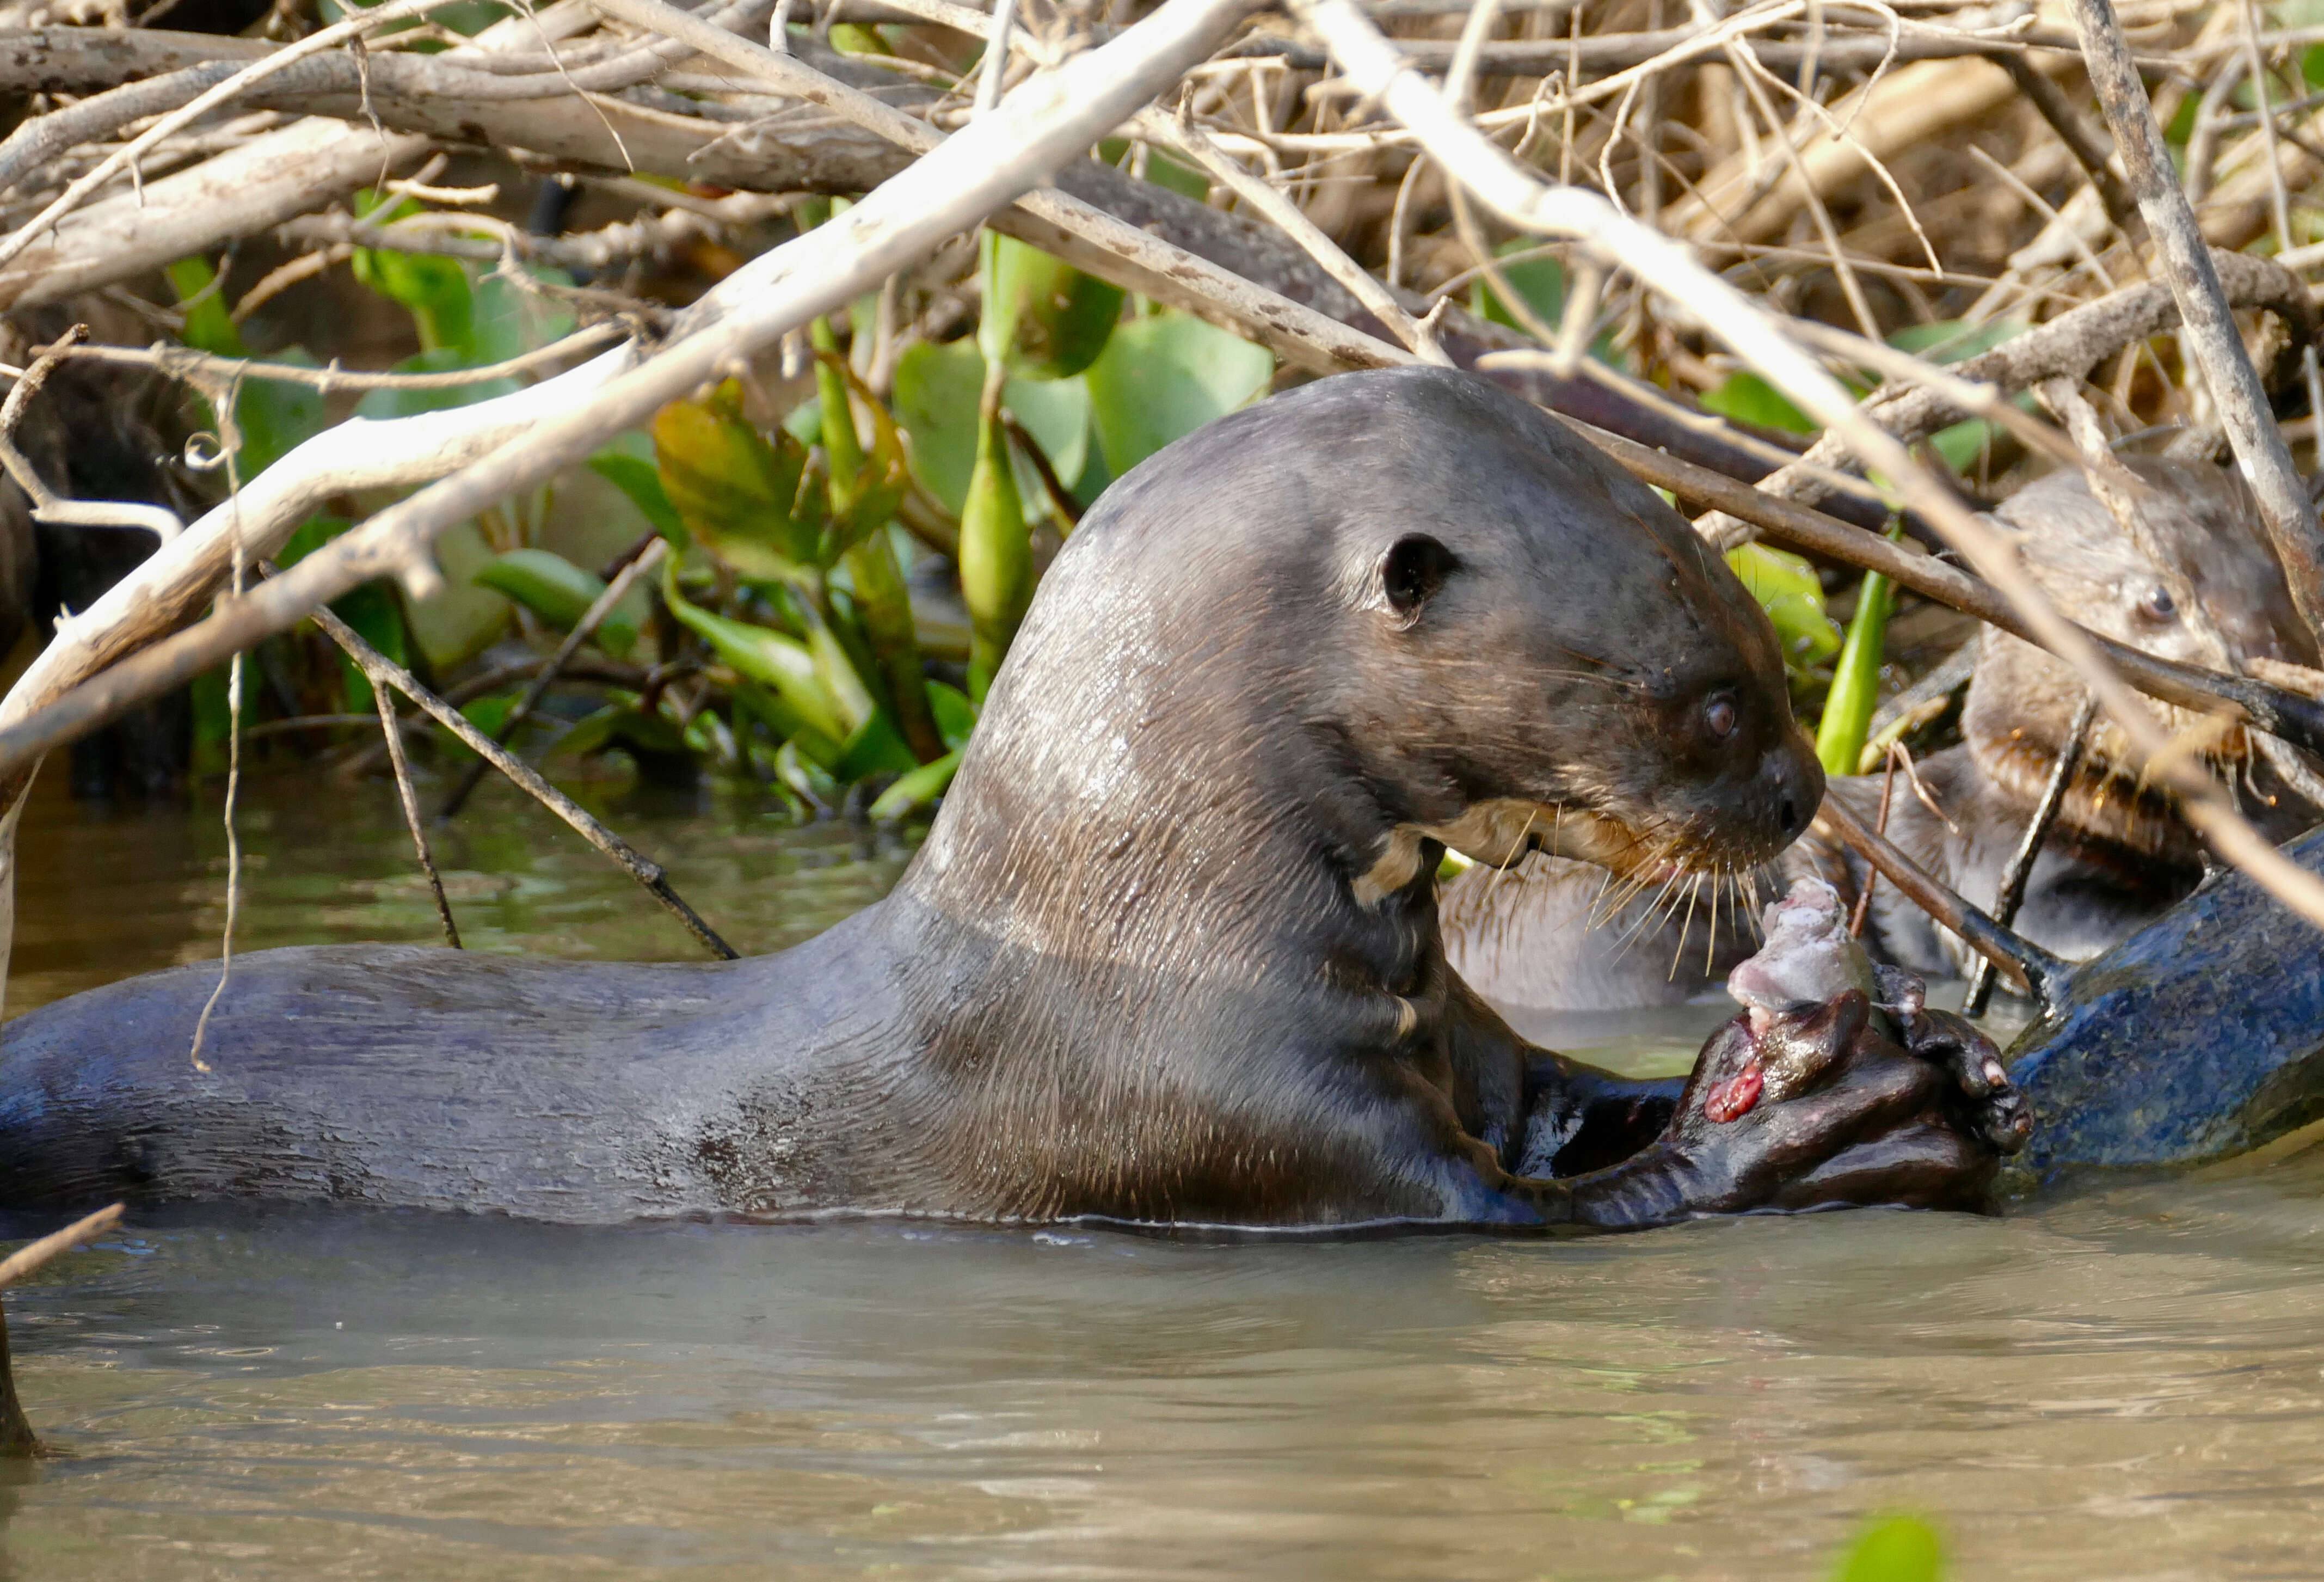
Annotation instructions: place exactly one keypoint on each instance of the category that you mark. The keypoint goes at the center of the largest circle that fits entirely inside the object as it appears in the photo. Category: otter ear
(1415, 566)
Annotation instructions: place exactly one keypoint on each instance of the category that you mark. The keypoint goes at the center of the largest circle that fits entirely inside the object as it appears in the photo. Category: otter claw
(2003, 1118)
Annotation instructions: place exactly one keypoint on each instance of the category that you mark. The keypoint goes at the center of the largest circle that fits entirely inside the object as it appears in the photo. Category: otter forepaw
(1996, 1111)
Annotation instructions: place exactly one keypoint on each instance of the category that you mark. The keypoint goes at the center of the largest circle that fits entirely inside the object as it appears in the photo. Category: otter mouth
(1503, 832)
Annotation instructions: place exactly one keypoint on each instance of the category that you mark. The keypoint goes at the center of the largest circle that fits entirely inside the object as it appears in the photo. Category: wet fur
(1129, 974)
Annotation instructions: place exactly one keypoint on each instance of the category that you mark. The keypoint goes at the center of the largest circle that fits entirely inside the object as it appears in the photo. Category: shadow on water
(2125, 1383)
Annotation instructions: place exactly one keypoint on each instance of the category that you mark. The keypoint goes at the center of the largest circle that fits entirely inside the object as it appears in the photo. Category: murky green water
(2127, 1383)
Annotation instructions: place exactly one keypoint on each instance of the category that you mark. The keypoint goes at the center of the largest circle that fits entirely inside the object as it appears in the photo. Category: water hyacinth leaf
(274, 418)
(917, 788)
(374, 610)
(435, 291)
(1749, 399)
(1954, 340)
(937, 391)
(560, 593)
(641, 480)
(878, 479)
(877, 747)
(809, 779)
(1161, 169)
(387, 405)
(1901, 1549)
(775, 660)
(1043, 317)
(956, 715)
(748, 501)
(1787, 588)
(625, 726)
(786, 724)
(510, 321)
(1541, 281)
(1165, 375)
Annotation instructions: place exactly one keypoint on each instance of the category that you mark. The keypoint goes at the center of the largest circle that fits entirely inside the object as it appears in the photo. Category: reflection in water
(2126, 1383)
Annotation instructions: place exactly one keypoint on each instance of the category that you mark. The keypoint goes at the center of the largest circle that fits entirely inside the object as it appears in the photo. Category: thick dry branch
(1042, 124)
(2067, 346)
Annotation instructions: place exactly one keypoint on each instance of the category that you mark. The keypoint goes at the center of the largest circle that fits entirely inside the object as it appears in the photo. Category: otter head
(2022, 700)
(1536, 653)
(1285, 652)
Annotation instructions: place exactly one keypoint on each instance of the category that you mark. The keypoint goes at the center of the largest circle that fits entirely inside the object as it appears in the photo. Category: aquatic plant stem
(2012, 894)
(1856, 677)
(644, 870)
(647, 557)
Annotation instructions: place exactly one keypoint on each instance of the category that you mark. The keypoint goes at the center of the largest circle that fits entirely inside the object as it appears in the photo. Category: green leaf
(1043, 317)
(996, 557)
(1161, 169)
(1787, 588)
(275, 417)
(1901, 1549)
(774, 659)
(937, 388)
(751, 502)
(509, 321)
(622, 726)
(1165, 375)
(956, 715)
(881, 474)
(641, 482)
(877, 747)
(1541, 281)
(1951, 340)
(373, 610)
(1749, 399)
(917, 788)
(434, 291)
(560, 593)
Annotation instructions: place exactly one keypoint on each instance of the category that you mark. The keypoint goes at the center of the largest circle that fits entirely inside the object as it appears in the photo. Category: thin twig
(639, 867)
(644, 560)
(391, 728)
(31, 1258)
(2012, 894)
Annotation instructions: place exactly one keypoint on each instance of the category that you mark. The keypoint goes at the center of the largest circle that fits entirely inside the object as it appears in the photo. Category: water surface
(2125, 1383)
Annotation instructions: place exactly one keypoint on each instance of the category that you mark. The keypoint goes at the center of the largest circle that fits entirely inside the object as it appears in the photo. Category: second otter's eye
(2158, 605)
(1719, 717)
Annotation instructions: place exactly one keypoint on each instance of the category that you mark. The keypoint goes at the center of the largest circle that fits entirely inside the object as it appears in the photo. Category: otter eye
(2158, 605)
(1719, 717)
(1413, 569)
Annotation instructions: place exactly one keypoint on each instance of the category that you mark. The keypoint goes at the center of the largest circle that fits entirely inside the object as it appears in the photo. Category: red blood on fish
(1733, 1099)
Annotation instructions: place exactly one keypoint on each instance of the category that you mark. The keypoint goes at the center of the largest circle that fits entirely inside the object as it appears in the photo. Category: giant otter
(2119, 855)
(1170, 951)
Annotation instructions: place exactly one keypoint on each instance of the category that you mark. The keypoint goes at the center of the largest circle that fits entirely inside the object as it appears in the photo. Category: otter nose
(1796, 778)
